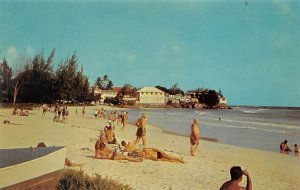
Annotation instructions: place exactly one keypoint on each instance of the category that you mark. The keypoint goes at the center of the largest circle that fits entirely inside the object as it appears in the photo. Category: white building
(151, 95)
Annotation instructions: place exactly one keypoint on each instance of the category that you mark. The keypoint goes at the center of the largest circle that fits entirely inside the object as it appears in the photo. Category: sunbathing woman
(158, 155)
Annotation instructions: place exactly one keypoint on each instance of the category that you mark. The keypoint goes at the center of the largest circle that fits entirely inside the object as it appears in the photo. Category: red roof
(117, 89)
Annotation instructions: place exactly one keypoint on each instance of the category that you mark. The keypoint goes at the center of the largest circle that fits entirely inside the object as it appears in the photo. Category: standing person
(195, 136)
(44, 107)
(141, 130)
(83, 111)
(66, 114)
(63, 113)
(124, 120)
(236, 174)
(111, 119)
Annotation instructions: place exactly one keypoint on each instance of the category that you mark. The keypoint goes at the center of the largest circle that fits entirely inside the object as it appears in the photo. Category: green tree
(104, 83)
(129, 90)
(211, 98)
(175, 90)
(5, 81)
(36, 81)
(162, 89)
(71, 84)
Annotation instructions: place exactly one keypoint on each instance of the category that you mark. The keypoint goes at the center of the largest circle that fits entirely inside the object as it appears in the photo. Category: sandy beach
(208, 170)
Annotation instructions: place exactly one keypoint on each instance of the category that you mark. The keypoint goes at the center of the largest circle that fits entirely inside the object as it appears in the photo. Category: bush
(73, 179)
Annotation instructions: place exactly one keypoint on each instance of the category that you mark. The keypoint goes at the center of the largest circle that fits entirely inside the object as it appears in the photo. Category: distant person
(83, 111)
(111, 119)
(141, 129)
(15, 112)
(66, 114)
(124, 120)
(284, 147)
(45, 108)
(236, 174)
(23, 113)
(194, 137)
(296, 148)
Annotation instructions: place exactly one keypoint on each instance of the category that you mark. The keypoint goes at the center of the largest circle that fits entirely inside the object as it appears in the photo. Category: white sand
(208, 170)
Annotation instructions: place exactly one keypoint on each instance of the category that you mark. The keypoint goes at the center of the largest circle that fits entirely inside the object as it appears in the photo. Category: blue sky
(251, 52)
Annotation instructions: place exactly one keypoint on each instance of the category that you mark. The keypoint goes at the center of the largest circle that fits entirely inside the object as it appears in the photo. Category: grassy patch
(73, 179)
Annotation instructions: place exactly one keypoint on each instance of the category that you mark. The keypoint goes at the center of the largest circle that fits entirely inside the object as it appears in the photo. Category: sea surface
(254, 127)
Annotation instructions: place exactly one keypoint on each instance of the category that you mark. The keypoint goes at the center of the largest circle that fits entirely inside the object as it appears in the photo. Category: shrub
(78, 180)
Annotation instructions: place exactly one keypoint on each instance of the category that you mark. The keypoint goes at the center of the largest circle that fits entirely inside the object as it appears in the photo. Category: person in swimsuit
(130, 146)
(141, 129)
(195, 136)
(284, 147)
(110, 135)
(159, 155)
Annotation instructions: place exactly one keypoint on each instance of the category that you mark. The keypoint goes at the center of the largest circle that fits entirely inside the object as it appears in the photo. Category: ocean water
(253, 127)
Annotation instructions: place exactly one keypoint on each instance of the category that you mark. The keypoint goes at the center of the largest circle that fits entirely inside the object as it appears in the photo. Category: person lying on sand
(68, 162)
(158, 155)
(236, 174)
(130, 146)
(102, 151)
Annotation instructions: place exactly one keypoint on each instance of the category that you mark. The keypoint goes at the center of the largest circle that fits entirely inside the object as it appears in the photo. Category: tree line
(36, 81)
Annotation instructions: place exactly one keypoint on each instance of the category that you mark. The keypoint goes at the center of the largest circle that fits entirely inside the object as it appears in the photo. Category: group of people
(20, 113)
(61, 113)
(114, 118)
(135, 153)
(285, 148)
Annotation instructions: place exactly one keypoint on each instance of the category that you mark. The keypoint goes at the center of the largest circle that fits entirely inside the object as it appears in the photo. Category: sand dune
(208, 170)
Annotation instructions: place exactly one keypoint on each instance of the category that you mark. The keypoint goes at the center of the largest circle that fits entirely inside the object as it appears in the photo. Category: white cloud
(128, 56)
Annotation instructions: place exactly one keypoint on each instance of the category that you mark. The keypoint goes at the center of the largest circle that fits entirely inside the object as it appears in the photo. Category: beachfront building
(222, 102)
(151, 95)
(107, 93)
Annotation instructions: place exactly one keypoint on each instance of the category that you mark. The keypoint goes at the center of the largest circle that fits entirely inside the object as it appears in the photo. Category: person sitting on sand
(159, 155)
(102, 151)
(284, 147)
(110, 135)
(67, 161)
(15, 112)
(130, 146)
(194, 137)
(23, 113)
(236, 174)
